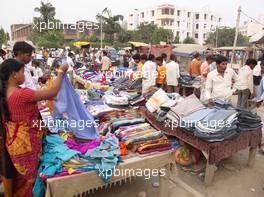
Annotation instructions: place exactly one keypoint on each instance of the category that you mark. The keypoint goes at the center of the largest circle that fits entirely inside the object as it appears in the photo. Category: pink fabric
(84, 147)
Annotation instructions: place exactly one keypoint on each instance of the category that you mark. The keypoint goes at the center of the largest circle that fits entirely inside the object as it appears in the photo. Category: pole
(102, 30)
(216, 37)
(236, 35)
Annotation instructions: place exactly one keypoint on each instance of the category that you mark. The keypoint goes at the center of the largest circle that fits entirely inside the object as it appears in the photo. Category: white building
(183, 22)
(250, 28)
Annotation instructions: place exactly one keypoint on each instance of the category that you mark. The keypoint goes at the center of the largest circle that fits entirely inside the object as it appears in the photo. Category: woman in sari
(21, 128)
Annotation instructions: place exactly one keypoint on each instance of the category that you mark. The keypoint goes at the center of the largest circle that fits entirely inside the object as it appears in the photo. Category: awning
(138, 44)
(258, 38)
(188, 49)
(79, 44)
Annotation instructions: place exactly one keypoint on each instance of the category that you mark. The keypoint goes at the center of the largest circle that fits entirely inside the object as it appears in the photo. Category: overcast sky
(22, 11)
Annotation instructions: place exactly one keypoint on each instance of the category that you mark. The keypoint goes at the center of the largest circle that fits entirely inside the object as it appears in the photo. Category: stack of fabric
(184, 108)
(143, 138)
(190, 80)
(218, 126)
(248, 121)
(116, 100)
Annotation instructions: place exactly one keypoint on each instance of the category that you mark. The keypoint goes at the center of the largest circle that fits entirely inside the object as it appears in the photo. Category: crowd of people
(20, 91)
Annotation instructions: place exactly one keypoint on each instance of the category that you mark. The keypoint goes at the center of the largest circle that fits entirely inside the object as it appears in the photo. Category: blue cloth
(54, 152)
(81, 122)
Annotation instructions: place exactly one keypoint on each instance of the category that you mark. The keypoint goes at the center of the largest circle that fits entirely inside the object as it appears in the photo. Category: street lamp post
(101, 30)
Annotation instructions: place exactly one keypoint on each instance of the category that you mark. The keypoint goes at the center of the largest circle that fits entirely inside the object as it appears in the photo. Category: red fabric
(21, 106)
(157, 50)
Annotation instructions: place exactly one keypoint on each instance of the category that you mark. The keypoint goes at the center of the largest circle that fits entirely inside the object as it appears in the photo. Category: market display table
(214, 152)
(85, 183)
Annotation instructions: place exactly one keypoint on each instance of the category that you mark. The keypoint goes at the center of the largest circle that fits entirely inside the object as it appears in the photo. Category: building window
(131, 15)
(212, 17)
(196, 36)
(152, 12)
(188, 34)
(205, 16)
(205, 26)
(152, 22)
(189, 14)
(204, 36)
(197, 16)
(197, 26)
(178, 33)
(131, 24)
(172, 11)
(165, 11)
(178, 23)
(171, 22)
(219, 20)
(178, 13)
(142, 15)
(212, 27)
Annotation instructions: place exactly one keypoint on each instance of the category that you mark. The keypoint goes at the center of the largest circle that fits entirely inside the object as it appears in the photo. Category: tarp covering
(138, 44)
(157, 50)
(188, 49)
(258, 38)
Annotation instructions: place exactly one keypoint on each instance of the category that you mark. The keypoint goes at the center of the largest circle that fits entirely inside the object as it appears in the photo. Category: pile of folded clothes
(190, 80)
(143, 138)
(218, 125)
(248, 121)
(184, 108)
(116, 100)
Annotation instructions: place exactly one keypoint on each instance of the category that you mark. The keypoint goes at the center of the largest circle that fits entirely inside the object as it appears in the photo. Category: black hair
(251, 62)
(144, 57)
(22, 47)
(209, 57)
(104, 53)
(159, 59)
(8, 67)
(164, 56)
(219, 59)
(262, 63)
(196, 55)
(70, 54)
(136, 57)
(35, 62)
(173, 57)
(2, 52)
(151, 57)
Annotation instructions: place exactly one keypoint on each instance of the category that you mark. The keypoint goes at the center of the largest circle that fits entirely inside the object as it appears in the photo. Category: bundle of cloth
(62, 157)
(143, 138)
(190, 80)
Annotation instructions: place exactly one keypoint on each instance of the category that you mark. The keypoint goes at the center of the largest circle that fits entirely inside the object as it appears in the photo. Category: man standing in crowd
(161, 73)
(195, 66)
(70, 63)
(205, 67)
(260, 91)
(23, 53)
(2, 55)
(105, 62)
(149, 72)
(257, 73)
(172, 74)
(245, 84)
(164, 59)
(219, 83)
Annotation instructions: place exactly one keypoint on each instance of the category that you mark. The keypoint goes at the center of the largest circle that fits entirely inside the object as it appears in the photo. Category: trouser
(243, 96)
(171, 89)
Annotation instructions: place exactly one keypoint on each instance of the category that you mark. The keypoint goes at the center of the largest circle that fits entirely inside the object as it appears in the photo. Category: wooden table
(85, 183)
(214, 152)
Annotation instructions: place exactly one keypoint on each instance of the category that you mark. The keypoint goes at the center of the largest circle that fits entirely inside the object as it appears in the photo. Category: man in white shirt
(105, 62)
(50, 60)
(70, 64)
(164, 57)
(149, 72)
(172, 74)
(245, 84)
(219, 82)
(23, 53)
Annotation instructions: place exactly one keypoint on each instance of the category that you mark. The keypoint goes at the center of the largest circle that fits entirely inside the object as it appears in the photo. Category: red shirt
(20, 105)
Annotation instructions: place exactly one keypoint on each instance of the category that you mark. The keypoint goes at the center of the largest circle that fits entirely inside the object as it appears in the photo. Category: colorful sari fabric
(24, 144)
(23, 139)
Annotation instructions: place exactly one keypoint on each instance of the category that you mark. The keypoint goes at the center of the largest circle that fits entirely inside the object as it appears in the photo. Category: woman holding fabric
(20, 126)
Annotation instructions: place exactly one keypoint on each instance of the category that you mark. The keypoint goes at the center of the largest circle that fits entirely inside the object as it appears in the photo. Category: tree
(4, 36)
(177, 40)
(50, 38)
(189, 40)
(145, 33)
(161, 34)
(110, 24)
(225, 37)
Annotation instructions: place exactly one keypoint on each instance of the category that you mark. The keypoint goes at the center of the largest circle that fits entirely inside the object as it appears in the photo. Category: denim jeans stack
(248, 121)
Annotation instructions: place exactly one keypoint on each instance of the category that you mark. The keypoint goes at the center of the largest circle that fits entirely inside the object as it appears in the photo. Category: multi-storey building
(181, 21)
